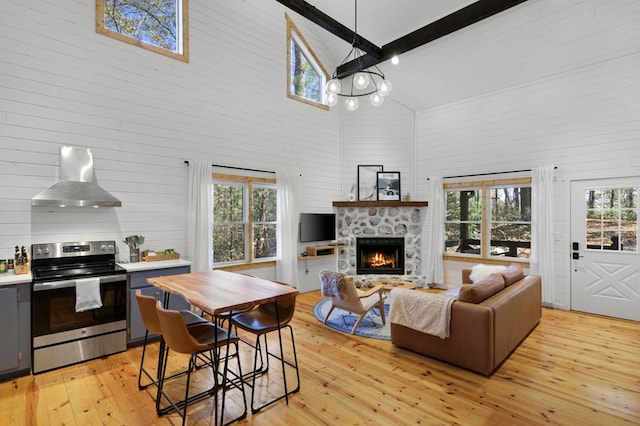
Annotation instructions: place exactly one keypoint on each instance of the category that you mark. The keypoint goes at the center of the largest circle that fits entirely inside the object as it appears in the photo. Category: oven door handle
(52, 285)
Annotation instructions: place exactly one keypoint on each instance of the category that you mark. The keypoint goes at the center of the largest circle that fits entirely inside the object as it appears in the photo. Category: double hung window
(488, 219)
(244, 220)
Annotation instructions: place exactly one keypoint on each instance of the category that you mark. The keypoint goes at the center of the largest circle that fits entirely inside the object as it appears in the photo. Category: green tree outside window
(306, 77)
(489, 219)
(306, 81)
(244, 220)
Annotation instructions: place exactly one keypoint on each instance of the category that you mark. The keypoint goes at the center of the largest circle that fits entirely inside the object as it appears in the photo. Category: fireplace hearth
(380, 255)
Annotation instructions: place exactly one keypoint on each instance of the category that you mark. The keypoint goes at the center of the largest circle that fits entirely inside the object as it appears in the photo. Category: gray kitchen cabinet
(15, 333)
(138, 281)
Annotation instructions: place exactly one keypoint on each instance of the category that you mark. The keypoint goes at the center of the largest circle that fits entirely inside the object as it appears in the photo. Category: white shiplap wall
(143, 114)
(379, 135)
(568, 96)
(579, 110)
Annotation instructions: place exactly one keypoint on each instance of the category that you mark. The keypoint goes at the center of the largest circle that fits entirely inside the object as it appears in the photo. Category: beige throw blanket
(426, 312)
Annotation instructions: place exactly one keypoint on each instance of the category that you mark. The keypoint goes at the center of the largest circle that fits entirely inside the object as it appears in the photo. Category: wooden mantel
(380, 203)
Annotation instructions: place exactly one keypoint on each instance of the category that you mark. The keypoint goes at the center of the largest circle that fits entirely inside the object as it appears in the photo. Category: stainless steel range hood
(76, 187)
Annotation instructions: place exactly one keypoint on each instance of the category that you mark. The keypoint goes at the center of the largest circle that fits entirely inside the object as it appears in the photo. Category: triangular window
(306, 77)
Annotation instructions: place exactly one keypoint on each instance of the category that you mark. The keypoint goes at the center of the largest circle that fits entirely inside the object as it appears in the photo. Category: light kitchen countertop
(11, 278)
(160, 264)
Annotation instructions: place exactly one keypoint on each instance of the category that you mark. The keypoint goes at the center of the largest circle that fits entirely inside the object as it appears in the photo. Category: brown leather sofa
(482, 335)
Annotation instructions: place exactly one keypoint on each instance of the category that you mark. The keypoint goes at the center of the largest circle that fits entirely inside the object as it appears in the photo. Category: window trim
(249, 262)
(485, 224)
(183, 34)
(293, 33)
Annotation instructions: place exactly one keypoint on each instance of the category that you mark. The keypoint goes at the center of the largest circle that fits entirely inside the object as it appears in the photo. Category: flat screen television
(317, 227)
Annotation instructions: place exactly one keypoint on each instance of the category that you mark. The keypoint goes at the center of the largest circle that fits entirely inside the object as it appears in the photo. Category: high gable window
(306, 77)
(156, 25)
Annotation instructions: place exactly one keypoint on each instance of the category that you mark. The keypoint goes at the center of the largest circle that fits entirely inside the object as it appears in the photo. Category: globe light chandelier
(364, 82)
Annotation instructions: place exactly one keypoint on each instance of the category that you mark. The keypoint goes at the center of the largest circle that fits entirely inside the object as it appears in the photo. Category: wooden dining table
(216, 293)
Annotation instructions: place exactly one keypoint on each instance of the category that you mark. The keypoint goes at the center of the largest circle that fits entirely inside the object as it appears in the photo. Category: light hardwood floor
(572, 369)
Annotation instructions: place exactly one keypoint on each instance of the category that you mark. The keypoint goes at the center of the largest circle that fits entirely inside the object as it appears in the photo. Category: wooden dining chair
(264, 319)
(196, 340)
(147, 305)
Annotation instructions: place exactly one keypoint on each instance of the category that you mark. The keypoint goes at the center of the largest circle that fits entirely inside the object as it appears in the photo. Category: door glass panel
(612, 218)
(629, 198)
(609, 198)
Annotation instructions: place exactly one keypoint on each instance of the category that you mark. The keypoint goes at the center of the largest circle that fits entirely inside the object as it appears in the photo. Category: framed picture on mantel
(388, 186)
(368, 182)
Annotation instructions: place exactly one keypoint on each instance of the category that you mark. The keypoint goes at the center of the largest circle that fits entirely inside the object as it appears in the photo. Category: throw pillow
(512, 274)
(479, 272)
(477, 292)
(333, 284)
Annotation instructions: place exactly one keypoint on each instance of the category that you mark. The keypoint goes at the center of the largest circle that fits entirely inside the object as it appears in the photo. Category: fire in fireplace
(380, 255)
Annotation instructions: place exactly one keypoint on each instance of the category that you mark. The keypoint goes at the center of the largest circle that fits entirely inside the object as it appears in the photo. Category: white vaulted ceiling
(382, 21)
(477, 59)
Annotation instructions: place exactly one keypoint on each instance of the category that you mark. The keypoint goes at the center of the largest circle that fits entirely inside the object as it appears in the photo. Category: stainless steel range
(79, 303)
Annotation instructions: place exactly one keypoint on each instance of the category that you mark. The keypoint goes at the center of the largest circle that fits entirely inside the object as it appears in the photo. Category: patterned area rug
(370, 326)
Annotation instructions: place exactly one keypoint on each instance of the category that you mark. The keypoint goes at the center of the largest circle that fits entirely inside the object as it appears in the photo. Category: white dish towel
(88, 294)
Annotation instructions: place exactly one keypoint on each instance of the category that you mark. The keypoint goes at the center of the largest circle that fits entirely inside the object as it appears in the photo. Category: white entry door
(605, 264)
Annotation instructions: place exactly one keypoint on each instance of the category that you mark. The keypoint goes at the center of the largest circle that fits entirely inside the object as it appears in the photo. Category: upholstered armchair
(343, 293)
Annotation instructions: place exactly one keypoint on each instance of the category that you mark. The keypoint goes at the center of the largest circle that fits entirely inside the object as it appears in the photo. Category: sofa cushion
(512, 274)
(479, 272)
(477, 292)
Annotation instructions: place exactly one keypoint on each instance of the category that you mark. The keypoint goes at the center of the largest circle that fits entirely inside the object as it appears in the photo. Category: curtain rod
(236, 168)
(490, 173)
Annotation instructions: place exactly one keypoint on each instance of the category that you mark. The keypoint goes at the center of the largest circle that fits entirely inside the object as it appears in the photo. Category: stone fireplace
(380, 220)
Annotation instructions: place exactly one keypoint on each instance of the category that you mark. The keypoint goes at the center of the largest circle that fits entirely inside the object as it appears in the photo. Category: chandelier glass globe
(332, 99)
(361, 80)
(384, 87)
(333, 86)
(376, 99)
(351, 104)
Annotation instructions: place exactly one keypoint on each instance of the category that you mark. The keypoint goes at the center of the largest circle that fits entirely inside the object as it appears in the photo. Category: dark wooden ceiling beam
(455, 21)
(334, 27)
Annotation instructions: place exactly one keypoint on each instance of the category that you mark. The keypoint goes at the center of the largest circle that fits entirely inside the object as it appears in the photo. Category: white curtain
(287, 262)
(542, 230)
(433, 238)
(200, 215)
